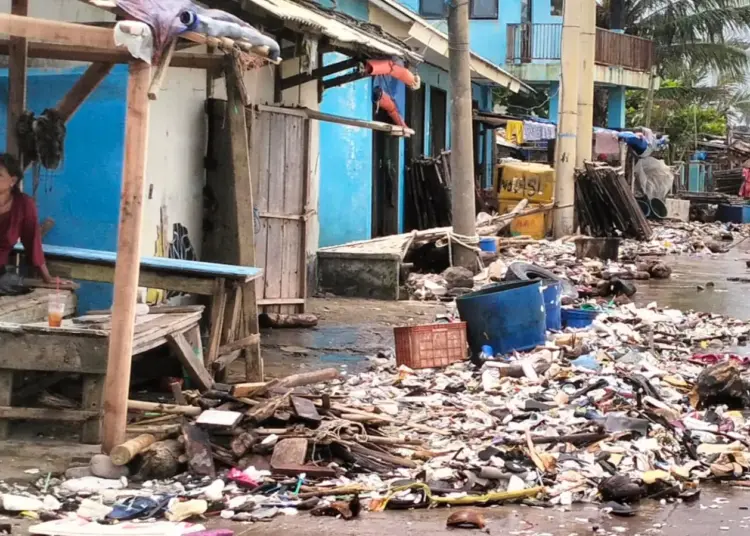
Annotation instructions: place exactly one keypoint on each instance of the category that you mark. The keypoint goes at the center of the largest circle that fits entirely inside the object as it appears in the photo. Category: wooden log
(278, 320)
(161, 431)
(137, 405)
(266, 409)
(382, 456)
(198, 450)
(191, 362)
(84, 86)
(127, 267)
(124, 453)
(295, 380)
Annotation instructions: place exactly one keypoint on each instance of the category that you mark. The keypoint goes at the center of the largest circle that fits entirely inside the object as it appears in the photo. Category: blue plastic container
(578, 318)
(488, 244)
(733, 213)
(552, 293)
(507, 316)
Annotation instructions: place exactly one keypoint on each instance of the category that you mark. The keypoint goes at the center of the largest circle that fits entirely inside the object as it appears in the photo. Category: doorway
(386, 165)
(438, 116)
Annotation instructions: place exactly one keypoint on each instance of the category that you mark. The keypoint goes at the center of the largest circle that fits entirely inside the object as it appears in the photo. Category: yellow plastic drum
(525, 180)
(534, 225)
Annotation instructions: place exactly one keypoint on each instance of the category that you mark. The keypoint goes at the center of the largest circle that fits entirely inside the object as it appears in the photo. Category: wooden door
(279, 147)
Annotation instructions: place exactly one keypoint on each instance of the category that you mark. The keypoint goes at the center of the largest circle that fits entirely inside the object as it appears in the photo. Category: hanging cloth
(606, 142)
(514, 132)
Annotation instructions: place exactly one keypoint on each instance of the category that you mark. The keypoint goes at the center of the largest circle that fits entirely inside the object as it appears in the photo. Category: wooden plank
(93, 390)
(294, 203)
(64, 33)
(198, 450)
(260, 150)
(6, 395)
(31, 307)
(240, 344)
(17, 67)
(47, 414)
(199, 285)
(84, 86)
(232, 315)
(172, 409)
(127, 267)
(193, 336)
(161, 70)
(218, 304)
(191, 361)
(244, 209)
(278, 180)
(306, 207)
(292, 451)
(158, 336)
(282, 301)
(50, 352)
(183, 60)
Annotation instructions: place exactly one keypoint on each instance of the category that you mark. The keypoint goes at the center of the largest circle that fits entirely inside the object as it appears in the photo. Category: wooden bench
(80, 346)
(32, 307)
(233, 321)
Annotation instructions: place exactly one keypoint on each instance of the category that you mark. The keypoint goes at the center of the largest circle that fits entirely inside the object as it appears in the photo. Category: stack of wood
(428, 192)
(606, 206)
(728, 181)
(272, 425)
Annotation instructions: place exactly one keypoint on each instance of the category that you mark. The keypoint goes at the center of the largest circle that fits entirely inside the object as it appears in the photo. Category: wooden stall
(110, 350)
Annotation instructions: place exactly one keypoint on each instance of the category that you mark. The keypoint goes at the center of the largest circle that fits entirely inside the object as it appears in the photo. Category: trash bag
(654, 178)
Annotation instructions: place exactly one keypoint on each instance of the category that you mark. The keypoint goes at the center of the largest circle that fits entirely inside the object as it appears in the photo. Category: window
(556, 8)
(433, 9)
(483, 9)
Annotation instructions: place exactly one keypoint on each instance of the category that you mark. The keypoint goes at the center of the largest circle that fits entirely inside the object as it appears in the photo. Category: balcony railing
(542, 42)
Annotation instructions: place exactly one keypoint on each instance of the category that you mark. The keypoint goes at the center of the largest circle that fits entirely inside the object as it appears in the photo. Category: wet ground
(351, 330)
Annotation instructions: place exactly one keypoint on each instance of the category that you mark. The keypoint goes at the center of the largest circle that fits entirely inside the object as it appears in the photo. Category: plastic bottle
(487, 353)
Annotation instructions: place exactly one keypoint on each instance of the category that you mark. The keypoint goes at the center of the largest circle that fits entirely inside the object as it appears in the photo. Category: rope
(330, 431)
(469, 242)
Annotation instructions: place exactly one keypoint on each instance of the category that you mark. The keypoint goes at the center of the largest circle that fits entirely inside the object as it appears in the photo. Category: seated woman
(18, 220)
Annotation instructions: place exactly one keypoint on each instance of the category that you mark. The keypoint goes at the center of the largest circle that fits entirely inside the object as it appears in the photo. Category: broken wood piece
(125, 452)
(239, 345)
(312, 471)
(190, 360)
(279, 320)
(198, 450)
(266, 409)
(305, 409)
(383, 417)
(137, 405)
(289, 452)
(331, 492)
(241, 444)
(295, 380)
(161, 70)
(179, 398)
(162, 431)
(212, 418)
(382, 456)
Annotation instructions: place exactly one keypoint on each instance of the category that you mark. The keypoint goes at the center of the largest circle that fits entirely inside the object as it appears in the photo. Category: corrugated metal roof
(342, 30)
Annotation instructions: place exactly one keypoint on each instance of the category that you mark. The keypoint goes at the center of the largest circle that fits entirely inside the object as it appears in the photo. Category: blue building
(517, 47)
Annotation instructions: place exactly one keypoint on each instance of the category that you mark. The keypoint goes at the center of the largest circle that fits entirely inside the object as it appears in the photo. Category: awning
(435, 46)
(343, 31)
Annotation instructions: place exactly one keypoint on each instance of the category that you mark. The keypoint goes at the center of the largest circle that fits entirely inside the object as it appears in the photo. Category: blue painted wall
(83, 195)
(616, 107)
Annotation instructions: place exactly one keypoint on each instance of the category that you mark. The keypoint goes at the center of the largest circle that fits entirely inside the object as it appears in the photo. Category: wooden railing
(543, 42)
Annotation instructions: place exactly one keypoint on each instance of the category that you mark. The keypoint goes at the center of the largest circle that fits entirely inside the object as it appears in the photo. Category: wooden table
(32, 307)
(232, 333)
(80, 346)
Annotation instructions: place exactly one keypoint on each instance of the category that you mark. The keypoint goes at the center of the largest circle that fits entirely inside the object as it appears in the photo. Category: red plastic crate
(431, 345)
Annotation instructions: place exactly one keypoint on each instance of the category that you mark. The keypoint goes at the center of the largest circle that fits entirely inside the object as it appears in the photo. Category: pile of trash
(640, 405)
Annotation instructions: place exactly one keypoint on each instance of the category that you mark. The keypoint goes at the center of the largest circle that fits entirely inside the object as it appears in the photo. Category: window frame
(433, 16)
(484, 17)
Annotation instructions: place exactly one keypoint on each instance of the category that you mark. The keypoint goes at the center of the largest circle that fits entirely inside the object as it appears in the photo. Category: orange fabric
(386, 103)
(388, 67)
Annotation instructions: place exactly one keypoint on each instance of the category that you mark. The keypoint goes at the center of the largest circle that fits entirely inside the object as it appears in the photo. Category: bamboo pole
(17, 66)
(565, 159)
(586, 90)
(127, 268)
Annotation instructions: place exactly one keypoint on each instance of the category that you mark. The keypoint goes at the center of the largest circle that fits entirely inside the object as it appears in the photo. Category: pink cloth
(606, 142)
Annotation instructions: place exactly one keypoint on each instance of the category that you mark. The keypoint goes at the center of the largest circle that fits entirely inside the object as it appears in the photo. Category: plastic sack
(137, 37)
(654, 178)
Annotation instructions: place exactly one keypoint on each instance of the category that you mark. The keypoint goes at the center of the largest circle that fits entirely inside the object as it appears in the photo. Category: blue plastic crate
(733, 213)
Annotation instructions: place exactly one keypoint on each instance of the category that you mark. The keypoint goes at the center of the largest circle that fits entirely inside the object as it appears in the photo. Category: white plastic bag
(137, 37)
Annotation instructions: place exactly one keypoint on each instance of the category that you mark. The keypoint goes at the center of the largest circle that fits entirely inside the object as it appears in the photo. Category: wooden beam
(64, 33)
(17, 65)
(243, 197)
(84, 86)
(161, 71)
(127, 268)
(47, 414)
(53, 51)
(317, 74)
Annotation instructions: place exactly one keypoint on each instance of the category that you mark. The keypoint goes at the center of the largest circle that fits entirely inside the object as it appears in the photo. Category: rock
(78, 472)
(700, 288)
(641, 275)
(101, 465)
(466, 518)
(497, 270)
(623, 287)
(717, 247)
(458, 276)
(660, 271)
(722, 384)
(619, 488)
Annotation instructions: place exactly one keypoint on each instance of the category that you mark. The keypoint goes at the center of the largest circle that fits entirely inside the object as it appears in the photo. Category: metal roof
(342, 30)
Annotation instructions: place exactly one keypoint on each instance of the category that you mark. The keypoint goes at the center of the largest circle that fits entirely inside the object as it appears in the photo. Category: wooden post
(243, 197)
(127, 268)
(17, 64)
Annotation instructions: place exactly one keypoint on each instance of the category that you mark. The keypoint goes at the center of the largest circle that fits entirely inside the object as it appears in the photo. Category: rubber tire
(525, 271)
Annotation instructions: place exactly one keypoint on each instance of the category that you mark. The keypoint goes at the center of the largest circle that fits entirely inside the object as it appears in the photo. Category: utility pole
(462, 151)
(586, 89)
(564, 211)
